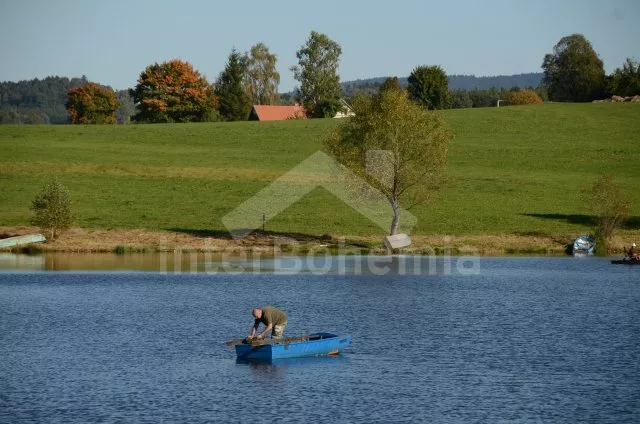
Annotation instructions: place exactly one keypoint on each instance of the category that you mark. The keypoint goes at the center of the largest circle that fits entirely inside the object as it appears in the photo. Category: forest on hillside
(456, 82)
(42, 101)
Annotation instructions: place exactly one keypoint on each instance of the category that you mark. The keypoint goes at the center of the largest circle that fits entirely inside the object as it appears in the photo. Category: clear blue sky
(112, 41)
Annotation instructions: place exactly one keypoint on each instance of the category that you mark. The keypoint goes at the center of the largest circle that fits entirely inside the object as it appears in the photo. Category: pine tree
(234, 101)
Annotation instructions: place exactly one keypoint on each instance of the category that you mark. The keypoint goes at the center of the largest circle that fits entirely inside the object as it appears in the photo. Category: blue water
(523, 340)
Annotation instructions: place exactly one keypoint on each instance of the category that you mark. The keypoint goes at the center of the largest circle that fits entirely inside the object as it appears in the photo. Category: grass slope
(513, 170)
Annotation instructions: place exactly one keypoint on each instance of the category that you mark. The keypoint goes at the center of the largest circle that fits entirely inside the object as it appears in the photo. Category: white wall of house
(345, 111)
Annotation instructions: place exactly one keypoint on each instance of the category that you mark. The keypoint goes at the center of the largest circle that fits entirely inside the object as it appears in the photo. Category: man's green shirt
(271, 315)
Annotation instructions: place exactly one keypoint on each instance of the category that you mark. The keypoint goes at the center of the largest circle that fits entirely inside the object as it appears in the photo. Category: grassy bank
(134, 241)
(514, 171)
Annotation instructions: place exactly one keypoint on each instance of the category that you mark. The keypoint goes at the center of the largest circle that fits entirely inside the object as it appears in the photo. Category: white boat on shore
(20, 240)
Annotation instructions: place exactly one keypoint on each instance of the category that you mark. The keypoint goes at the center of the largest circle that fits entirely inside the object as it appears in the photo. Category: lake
(496, 340)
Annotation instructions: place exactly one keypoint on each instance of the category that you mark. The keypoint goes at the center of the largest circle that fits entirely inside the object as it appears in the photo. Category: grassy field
(513, 170)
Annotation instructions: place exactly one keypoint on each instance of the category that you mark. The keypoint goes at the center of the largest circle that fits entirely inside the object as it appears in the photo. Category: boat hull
(626, 262)
(20, 240)
(315, 345)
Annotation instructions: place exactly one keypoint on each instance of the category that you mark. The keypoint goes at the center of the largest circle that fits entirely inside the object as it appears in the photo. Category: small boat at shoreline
(626, 261)
(20, 240)
(317, 344)
(584, 245)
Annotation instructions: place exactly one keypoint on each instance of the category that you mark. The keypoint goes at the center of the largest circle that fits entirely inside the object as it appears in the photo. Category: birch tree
(262, 77)
(394, 146)
(317, 71)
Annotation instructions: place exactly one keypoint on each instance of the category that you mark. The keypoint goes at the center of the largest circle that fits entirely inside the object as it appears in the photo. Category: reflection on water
(279, 370)
(21, 262)
(352, 265)
(231, 263)
(149, 262)
(268, 364)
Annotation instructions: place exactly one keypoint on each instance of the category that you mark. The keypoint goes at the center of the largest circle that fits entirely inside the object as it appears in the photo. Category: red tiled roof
(278, 113)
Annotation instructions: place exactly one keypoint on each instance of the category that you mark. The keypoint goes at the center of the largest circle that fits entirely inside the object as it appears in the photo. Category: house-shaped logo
(318, 170)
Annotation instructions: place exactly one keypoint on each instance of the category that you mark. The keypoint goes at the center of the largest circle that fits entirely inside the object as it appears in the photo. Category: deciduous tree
(395, 146)
(573, 72)
(391, 83)
(317, 71)
(485, 98)
(625, 81)
(92, 104)
(173, 92)
(262, 76)
(231, 90)
(611, 209)
(52, 208)
(126, 108)
(429, 86)
(461, 99)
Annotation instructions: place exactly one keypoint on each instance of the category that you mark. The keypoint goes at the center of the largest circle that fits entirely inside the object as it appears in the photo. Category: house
(276, 113)
(344, 111)
(281, 113)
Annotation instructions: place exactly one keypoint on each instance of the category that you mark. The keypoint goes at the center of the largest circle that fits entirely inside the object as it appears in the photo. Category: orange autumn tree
(173, 92)
(92, 104)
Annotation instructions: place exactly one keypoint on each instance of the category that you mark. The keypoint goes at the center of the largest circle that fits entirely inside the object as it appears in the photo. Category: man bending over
(273, 319)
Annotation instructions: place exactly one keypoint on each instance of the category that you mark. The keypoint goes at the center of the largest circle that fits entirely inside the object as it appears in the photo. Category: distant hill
(465, 82)
(470, 82)
(36, 101)
(42, 101)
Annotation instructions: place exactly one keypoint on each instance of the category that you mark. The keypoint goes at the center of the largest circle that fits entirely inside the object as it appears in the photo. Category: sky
(111, 42)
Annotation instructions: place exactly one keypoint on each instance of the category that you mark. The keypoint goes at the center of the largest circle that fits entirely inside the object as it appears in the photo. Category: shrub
(523, 97)
(52, 208)
(610, 207)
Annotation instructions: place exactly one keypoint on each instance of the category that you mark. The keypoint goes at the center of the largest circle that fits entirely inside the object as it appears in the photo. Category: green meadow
(512, 170)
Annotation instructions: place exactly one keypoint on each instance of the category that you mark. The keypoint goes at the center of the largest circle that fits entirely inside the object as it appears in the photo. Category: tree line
(573, 72)
(174, 91)
(456, 82)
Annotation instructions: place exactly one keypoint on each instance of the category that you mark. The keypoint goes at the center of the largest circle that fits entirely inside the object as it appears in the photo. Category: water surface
(524, 340)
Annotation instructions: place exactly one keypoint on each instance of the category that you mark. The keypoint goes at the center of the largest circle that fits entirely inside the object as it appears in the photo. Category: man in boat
(632, 251)
(273, 319)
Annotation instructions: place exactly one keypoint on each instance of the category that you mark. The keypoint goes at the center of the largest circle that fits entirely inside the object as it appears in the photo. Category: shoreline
(84, 240)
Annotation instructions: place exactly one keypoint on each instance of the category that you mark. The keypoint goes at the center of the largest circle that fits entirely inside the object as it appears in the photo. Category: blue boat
(316, 344)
